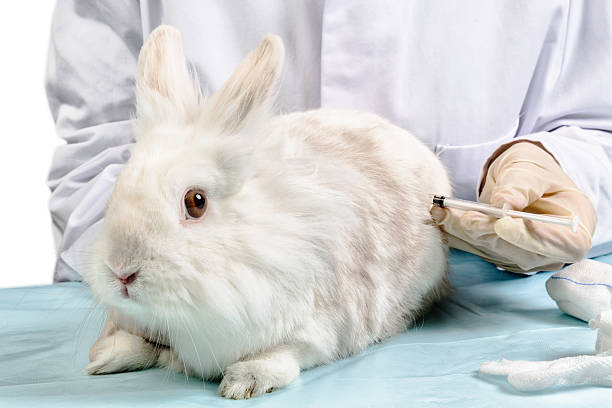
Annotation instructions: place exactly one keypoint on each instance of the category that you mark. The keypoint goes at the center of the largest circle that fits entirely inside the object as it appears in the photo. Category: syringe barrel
(566, 222)
(465, 205)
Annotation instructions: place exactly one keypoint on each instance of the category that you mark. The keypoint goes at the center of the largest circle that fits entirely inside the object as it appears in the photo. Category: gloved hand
(528, 178)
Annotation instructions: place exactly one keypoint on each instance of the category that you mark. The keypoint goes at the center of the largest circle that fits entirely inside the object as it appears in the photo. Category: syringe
(441, 201)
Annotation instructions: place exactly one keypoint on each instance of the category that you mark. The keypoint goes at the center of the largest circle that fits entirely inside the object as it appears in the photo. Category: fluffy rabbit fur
(317, 240)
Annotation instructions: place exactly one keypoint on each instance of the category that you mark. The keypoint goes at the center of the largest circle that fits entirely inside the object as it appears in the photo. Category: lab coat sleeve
(91, 68)
(574, 117)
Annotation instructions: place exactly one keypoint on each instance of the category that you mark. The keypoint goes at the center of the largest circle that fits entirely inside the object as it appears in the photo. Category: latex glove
(567, 371)
(582, 290)
(528, 178)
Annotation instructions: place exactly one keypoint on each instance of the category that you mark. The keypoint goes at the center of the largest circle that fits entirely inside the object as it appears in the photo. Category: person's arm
(575, 121)
(567, 167)
(91, 68)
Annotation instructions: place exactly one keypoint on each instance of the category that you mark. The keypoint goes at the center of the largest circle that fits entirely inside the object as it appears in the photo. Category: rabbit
(245, 247)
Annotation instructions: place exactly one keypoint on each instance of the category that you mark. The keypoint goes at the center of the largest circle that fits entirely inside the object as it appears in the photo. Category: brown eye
(195, 204)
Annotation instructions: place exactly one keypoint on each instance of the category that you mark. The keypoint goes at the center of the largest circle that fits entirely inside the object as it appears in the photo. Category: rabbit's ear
(166, 89)
(249, 94)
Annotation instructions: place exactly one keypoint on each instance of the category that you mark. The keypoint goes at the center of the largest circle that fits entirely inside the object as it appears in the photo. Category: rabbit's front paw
(246, 379)
(121, 351)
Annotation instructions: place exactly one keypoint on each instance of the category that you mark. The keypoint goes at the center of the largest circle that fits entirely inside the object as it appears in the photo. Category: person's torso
(459, 75)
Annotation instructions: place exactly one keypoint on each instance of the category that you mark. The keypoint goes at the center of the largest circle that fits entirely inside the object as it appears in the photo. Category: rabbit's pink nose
(128, 278)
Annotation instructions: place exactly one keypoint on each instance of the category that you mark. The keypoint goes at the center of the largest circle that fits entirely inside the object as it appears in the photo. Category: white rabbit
(245, 246)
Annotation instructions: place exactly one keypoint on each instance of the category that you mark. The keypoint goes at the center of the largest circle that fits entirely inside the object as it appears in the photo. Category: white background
(27, 253)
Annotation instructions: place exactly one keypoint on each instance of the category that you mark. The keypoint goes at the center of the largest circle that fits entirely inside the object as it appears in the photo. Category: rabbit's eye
(195, 204)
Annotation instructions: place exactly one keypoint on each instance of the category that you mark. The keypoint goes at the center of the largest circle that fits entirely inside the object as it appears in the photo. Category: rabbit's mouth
(129, 294)
(124, 293)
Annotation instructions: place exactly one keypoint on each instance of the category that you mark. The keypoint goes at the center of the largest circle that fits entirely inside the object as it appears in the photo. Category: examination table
(46, 333)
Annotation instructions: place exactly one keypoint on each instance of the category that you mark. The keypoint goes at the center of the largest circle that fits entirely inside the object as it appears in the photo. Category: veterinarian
(515, 97)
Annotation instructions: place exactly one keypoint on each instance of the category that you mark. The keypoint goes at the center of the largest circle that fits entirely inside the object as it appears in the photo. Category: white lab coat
(464, 76)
